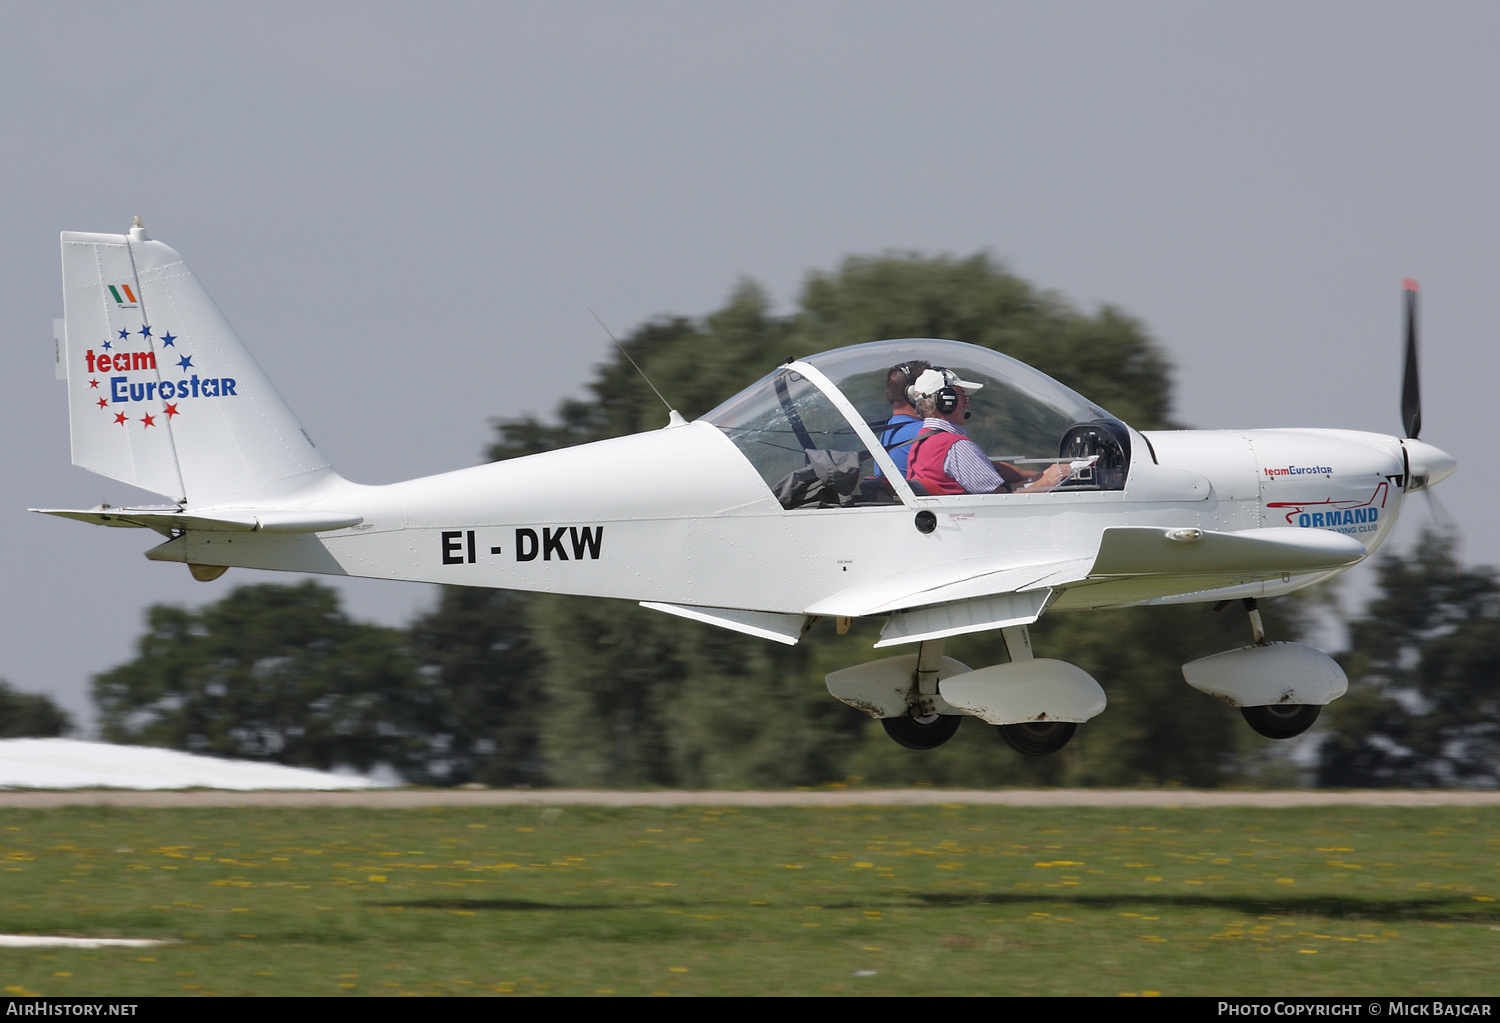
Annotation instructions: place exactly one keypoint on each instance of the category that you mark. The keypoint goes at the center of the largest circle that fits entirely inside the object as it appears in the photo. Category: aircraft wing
(1015, 588)
(957, 580)
(1150, 550)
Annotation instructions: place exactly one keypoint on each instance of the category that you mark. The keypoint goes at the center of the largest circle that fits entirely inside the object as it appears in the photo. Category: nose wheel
(1281, 720)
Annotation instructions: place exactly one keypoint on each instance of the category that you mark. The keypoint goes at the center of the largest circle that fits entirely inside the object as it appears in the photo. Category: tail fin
(161, 392)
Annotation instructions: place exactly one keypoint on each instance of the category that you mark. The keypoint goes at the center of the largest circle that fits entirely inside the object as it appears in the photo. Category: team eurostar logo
(1339, 516)
(1299, 470)
(125, 377)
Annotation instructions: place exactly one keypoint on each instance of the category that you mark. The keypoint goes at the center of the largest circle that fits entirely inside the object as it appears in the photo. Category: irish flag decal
(123, 294)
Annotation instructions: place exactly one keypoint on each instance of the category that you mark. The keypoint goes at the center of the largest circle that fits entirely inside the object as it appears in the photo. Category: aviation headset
(908, 374)
(945, 397)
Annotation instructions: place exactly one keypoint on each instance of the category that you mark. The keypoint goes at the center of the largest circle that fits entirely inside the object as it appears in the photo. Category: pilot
(943, 458)
(904, 425)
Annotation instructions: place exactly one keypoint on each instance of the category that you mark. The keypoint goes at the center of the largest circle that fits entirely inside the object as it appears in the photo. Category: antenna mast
(674, 418)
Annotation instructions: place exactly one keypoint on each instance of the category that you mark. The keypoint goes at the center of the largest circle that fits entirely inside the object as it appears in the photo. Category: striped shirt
(967, 464)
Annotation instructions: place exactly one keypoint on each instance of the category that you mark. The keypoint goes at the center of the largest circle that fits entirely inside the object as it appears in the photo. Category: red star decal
(93, 383)
(120, 418)
(171, 411)
(149, 420)
(103, 403)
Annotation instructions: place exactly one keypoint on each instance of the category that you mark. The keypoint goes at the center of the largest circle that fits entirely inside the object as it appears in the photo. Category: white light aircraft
(776, 509)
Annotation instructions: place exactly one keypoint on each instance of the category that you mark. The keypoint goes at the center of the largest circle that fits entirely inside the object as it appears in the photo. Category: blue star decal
(124, 335)
(145, 331)
(167, 340)
(185, 362)
(107, 345)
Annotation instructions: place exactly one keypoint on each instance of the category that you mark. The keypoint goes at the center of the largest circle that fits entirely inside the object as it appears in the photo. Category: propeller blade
(1411, 389)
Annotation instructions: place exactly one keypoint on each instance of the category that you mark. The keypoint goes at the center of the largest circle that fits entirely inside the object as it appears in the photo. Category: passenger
(904, 425)
(943, 458)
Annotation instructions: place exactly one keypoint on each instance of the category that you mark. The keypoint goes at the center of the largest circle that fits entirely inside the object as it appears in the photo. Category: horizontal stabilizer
(168, 519)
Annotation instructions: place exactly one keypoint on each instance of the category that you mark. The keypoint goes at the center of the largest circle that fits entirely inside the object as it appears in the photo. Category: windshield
(801, 445)
(1019, 412)
(1020, 417)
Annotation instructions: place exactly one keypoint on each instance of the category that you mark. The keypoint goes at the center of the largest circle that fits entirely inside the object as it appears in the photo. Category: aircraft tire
(913, 733)
(1282, 721)
(1037, 738)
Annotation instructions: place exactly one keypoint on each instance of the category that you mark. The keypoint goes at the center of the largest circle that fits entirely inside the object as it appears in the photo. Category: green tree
(638, 698)
(641, 698)
(270, 672)
(1107, 356)
(477, 699)
(695, 365)
(30, 715)
(1423, 708)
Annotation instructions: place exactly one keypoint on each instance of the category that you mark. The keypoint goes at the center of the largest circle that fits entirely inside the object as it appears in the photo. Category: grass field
(853, 900)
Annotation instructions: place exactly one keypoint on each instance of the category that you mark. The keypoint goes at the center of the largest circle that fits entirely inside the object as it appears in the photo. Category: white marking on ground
(72, 764)
(44, 941)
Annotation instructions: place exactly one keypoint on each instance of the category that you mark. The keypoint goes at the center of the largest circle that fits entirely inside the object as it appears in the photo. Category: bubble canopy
(1020, 416)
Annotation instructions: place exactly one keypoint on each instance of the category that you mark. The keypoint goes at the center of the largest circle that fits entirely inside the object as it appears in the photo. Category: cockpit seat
(829, 479)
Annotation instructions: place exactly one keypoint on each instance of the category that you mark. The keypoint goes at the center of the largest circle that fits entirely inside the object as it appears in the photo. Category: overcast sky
(407, 211)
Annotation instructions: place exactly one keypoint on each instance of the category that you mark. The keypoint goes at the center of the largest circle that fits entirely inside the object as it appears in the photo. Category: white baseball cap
(934, 380)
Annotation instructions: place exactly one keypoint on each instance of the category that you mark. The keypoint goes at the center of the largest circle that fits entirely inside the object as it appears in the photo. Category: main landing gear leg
(1277, 721)
(1017, 642)
(929, 660)
(1032, 738)
(924, 728)
(1257, 627)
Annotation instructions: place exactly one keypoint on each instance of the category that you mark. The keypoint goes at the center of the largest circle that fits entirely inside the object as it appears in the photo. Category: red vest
(925, 463)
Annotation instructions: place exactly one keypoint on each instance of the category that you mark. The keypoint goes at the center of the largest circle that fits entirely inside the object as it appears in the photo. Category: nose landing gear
(1275, 721)
(1280, 688)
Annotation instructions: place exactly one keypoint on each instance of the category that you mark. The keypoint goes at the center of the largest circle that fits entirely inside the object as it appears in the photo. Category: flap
(1000, 611)
(782, 628)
